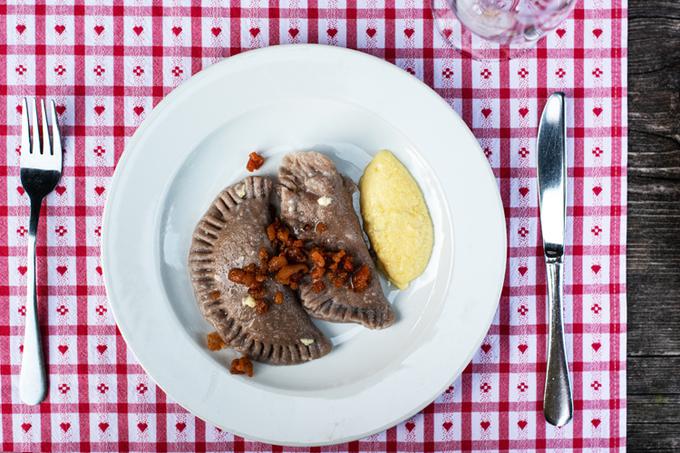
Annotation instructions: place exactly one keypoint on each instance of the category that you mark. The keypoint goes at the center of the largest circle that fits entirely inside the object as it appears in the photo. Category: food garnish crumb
(215, 342)
(361, 279)
(249, 301)
(242, 365)
(255, 161)
(306, 341)
(240, 190)
(324, 201)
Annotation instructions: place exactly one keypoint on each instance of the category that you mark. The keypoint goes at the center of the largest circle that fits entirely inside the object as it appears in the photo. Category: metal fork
(40, 173)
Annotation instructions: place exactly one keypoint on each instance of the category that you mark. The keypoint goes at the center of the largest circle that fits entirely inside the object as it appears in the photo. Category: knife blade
(552, 190)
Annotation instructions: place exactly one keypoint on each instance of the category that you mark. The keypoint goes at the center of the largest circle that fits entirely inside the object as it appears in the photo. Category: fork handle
(32, 379)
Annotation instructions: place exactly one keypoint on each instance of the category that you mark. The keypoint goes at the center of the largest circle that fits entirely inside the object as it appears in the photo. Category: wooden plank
(653, 8)
(653, 267)
(652, 156)
(661, 437)
(654, 375)
(654, 409)
(653, 252)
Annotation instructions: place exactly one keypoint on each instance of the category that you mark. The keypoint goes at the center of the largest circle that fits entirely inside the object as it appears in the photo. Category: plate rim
(185, 87)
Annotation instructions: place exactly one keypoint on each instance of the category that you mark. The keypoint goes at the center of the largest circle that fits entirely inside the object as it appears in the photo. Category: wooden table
(654, 225)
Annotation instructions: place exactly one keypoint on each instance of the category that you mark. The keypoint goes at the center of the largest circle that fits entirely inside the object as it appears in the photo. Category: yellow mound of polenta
(396, 219)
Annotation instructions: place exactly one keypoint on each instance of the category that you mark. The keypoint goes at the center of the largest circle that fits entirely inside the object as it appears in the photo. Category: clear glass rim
(550, 8)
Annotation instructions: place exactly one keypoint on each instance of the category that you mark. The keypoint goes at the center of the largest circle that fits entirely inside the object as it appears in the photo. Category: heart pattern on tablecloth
(106, 68)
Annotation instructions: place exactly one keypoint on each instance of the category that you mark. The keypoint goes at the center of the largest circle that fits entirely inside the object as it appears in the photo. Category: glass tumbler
(494, 29)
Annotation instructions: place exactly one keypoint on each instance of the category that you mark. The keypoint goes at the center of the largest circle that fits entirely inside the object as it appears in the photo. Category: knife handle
(558, 405)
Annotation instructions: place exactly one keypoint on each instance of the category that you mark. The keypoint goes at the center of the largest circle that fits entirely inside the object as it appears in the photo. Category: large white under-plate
(348, 105)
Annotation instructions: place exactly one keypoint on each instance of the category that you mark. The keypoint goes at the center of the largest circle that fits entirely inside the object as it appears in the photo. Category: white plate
(274, 100)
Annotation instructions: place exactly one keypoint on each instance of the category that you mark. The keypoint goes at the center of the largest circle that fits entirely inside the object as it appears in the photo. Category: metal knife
(558, 405)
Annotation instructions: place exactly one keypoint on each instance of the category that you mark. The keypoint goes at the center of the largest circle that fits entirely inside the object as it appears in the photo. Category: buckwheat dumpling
(312, 192)
(232, 235)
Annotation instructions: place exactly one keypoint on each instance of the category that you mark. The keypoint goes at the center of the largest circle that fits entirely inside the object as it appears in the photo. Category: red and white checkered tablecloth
(107, 65)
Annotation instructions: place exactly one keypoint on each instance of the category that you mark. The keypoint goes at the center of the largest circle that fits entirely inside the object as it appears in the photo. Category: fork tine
(56, 135)
(25, 131)
(35, 141)
(46, 148)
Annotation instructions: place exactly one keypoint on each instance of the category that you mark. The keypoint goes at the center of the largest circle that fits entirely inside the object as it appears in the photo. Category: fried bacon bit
(215, 342)
(361, 279)
(283, 235)
(254, 278)
(271, 232)
(321, 227)
(236, 275)
(317, 258)
(347, 264)
(337, 257)
(261, 307)
(242, 277)
(257, 293)
(214, 295)
(296, 255)
(339, 279)
(263, 255)
(285, 244)
(255, 161)
(284, 275)
(318, 286)
(290, 261)
(242, 365)
(277, 263)
(317, 273)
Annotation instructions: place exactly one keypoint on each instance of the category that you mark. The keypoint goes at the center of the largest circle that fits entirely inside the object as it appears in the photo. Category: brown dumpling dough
(230, 235)
(312, 191)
